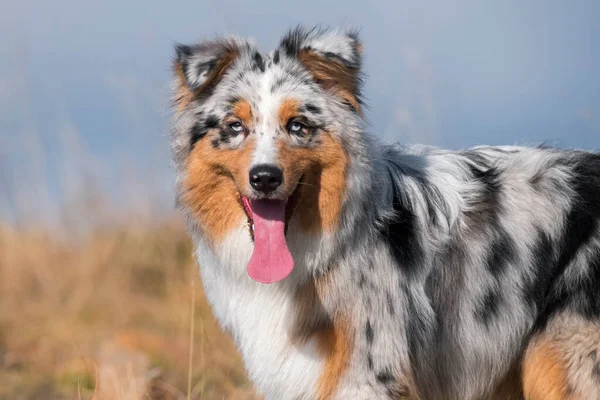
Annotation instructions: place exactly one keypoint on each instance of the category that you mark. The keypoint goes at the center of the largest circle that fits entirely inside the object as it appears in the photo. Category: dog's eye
(236, 127)
(297, 128)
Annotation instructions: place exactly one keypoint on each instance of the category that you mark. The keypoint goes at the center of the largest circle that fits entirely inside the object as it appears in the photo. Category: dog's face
(263, 138)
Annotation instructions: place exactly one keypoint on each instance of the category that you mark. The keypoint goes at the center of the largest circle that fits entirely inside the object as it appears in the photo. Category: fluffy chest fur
(261, 319)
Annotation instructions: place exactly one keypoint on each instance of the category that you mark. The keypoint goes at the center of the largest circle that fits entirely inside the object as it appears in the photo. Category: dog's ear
(333, 58)
(200, 67)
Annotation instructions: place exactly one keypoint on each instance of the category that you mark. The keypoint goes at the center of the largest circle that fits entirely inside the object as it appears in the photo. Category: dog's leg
(562, 362)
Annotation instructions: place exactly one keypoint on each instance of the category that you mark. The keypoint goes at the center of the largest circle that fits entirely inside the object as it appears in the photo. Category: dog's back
(517, 267)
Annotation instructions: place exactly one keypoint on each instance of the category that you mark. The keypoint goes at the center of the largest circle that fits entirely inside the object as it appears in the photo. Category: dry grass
(68, 306)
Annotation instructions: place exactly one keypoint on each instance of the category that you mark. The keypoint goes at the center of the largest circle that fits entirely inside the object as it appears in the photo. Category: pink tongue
(271, 260)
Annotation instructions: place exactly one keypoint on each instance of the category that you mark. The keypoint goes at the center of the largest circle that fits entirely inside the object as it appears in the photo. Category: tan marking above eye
(287, 110)
(243, 111)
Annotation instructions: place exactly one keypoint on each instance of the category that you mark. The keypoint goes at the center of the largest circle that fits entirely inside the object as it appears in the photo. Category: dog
(345, 268)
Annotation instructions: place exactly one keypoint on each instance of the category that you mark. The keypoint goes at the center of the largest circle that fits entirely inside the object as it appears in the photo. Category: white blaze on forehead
(267, 123)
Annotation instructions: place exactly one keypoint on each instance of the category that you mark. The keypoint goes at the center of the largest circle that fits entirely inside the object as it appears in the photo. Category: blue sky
(84, 85)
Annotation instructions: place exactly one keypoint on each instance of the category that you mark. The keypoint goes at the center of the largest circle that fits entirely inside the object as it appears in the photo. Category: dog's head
(260, 139)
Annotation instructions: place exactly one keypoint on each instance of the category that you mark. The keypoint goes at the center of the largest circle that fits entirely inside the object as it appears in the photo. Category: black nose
(266, 178)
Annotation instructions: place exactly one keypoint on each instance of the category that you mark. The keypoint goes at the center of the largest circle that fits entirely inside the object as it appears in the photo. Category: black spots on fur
(276, 57)
(394, 389)
(370, 361)
(259, 62)
(501, 253)
(201, 128)
(232, 100)
(277, 84)
(385, 376)
(211, 122)
(369, 334)
(241, 76)
(292, 42)
(489, 307)
(403, 241)
(197, 132)
(590, 290)
(581, 223)
(543, 269)
(225, 136)
(586, 183)
(402, 234)
(312, 108)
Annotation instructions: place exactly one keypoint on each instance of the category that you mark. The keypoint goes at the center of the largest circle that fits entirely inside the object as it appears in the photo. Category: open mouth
(271, 259)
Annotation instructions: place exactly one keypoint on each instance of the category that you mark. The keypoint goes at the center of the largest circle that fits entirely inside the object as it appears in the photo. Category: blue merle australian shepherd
(344, 268)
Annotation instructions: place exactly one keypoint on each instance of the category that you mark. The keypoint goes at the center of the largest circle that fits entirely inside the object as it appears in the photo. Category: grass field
(110, 314)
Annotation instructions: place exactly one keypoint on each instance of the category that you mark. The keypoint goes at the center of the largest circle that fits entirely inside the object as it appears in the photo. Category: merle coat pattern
(426, 274)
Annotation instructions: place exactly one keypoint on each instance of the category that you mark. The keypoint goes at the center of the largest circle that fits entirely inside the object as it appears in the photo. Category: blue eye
(236, 127)
(296, 127)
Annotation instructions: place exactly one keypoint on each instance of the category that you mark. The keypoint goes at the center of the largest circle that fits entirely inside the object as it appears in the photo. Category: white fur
(265, 152)
(260, 317)
(336, 43)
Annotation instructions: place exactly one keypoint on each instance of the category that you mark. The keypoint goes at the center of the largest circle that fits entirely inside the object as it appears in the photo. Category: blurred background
(99, 296)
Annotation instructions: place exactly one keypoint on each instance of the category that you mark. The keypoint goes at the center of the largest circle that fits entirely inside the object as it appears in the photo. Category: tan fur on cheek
(544, 373)
(210, 187)
(323, 188)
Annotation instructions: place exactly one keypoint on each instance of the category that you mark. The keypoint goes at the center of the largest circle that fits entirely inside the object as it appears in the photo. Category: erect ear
(200, 67)
(333, 59)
